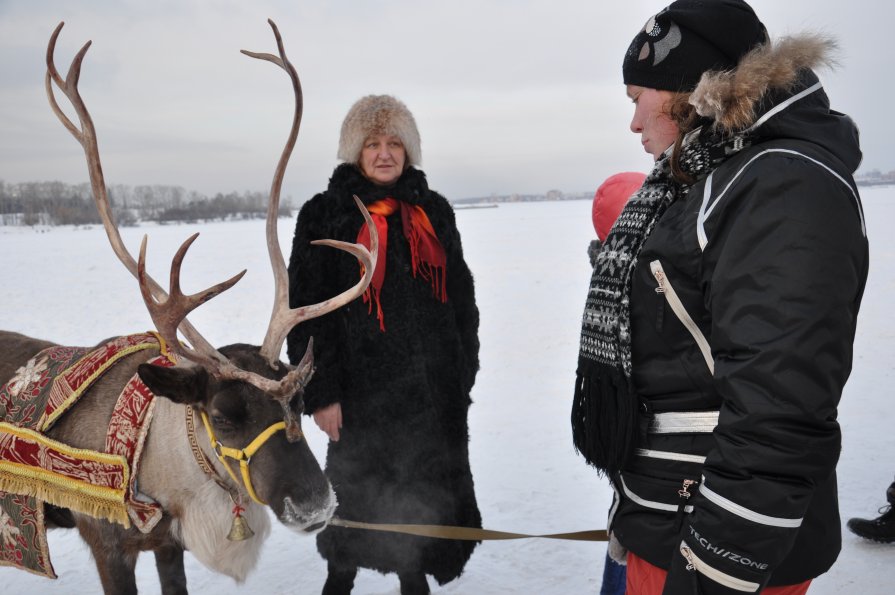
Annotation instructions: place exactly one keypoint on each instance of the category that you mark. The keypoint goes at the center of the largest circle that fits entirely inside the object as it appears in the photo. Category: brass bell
(239, 530)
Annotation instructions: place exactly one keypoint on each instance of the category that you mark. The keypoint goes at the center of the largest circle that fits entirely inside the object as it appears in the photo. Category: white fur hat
(374, 115)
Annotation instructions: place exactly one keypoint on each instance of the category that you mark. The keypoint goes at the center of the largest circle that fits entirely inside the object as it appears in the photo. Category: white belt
(683, 422)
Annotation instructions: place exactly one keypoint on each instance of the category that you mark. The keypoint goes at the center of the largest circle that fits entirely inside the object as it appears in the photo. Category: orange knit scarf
(427, 254)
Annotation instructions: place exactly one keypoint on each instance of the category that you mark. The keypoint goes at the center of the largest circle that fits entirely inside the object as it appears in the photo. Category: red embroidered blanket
(35, 469)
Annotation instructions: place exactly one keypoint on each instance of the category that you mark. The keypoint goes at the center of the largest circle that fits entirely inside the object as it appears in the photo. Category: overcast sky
(510, 95)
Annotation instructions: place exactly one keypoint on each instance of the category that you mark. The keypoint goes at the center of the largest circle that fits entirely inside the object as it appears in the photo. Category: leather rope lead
(467, 533)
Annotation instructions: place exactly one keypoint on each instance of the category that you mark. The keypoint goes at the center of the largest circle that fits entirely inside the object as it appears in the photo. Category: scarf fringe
(426, 252)
(426, 255)
(371, 296)
(436, 276)
(605, 419)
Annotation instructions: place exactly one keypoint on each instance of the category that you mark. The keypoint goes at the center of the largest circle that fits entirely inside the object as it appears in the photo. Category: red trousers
(645, 579)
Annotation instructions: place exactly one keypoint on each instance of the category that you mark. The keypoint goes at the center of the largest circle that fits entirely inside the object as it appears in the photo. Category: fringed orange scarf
(427, 254)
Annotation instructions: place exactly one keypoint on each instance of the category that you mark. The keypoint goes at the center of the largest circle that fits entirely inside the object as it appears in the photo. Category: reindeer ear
(185, 385)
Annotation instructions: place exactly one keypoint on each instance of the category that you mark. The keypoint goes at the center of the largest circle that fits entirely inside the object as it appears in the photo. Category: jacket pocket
(665, 288)
(651, 512)
(736, 578)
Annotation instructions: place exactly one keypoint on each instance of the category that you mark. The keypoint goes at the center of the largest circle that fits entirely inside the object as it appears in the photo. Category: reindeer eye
(222, 423)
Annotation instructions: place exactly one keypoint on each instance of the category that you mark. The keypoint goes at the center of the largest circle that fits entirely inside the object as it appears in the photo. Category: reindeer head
(283, 472)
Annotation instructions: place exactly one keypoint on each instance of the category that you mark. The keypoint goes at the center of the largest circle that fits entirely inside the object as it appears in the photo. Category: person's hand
(329, 419)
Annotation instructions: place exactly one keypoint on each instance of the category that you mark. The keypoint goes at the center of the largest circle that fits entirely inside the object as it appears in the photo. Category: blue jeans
(614, 576)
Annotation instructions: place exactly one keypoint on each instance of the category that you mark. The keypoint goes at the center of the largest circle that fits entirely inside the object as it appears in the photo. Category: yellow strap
(263, 437)
(208, 429)
(246, 453)
(229, 470)
(163, 347)
(467, 533)
(242, 455)
(247, 480)
(214, 444)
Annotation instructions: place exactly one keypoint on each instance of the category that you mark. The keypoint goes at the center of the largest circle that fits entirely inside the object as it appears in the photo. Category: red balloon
(611, 197)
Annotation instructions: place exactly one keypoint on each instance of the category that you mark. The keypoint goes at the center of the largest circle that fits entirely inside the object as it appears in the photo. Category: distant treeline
(551, 195)
(56, 203)
(875, 177)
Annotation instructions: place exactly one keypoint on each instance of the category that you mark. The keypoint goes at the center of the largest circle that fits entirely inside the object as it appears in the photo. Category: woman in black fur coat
(394, 371)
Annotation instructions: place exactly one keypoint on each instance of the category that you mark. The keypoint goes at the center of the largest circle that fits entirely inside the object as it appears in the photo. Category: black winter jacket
(735, 467)
(403, 452)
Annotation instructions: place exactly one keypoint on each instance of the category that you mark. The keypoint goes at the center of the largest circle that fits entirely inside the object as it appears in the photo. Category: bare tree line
(57, 203)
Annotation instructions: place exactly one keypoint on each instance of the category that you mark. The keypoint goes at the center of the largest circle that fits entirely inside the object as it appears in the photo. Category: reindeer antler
(86, 136)
(283, 318)
(169, 312)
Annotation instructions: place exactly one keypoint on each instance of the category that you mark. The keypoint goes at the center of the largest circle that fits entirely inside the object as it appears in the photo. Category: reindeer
(243, 394)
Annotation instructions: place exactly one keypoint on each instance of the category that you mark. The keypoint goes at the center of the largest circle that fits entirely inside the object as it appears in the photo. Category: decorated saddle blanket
(35, 469)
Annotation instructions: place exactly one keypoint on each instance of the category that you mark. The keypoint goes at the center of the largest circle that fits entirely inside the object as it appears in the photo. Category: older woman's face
(657, 131)
(382, 159)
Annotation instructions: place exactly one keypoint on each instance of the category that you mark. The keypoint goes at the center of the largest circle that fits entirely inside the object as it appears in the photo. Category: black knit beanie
(688, 38)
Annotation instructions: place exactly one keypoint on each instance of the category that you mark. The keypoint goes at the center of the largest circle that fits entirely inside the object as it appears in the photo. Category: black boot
(339, 580)
(880, 529)
(413, 583)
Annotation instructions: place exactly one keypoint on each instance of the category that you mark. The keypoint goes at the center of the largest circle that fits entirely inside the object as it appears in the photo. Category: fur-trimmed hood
(730, 98)
(773, 92)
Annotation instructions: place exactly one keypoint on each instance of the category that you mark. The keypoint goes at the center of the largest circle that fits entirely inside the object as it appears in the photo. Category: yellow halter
(244, 456)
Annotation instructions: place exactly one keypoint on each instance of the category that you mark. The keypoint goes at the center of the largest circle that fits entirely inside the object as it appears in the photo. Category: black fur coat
(403, 452)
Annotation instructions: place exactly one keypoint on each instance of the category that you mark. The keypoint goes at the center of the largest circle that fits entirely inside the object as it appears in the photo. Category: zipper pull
(659, 274)
(688, 554)
(683, 492)
(660, 289)
(684, 496)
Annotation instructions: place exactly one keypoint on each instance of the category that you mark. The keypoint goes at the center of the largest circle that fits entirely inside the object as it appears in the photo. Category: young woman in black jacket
(718, 329)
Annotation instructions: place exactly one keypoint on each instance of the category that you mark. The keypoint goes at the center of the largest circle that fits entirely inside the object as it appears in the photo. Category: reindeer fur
(201, 509)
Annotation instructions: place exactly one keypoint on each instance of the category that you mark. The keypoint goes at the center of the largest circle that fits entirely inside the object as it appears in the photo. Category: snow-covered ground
(531, 271)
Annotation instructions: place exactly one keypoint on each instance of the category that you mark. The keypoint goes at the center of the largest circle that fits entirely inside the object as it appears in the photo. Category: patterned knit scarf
(605, 406)
(426, 253)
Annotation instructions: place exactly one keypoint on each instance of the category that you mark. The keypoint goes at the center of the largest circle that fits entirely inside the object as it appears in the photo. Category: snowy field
(531, 273)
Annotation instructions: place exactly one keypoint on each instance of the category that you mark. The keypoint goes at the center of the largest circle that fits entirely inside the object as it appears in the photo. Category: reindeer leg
(169, 563)
(58, 517)
(114, 563)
